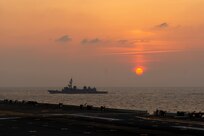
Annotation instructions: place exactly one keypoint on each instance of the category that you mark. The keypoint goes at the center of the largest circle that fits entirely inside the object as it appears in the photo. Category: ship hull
(76, 92)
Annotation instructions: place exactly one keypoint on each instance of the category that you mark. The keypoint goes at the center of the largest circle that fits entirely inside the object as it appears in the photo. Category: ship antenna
(70, 83)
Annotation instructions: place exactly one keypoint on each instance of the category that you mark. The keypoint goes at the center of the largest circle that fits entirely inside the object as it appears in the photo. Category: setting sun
(115, 62)
(139, 71)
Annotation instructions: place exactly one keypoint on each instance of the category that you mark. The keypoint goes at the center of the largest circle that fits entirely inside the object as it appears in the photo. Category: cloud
(91, 41)
(123, 41)
(115, 43)
(146, 52)
(64, 39)
(132, 41)
(162, 25)
(140, 41)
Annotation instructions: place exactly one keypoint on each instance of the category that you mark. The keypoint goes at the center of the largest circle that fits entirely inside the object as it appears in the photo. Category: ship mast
(70, 83)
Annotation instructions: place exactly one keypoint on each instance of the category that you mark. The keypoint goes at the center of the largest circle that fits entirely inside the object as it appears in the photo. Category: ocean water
(150, 99)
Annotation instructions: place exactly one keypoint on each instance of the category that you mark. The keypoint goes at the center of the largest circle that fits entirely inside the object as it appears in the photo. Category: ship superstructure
(70, 89)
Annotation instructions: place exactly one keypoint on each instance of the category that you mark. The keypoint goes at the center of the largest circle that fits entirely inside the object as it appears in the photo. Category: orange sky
(90, 38)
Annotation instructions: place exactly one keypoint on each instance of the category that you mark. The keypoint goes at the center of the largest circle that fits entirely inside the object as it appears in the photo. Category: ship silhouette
(70, 89)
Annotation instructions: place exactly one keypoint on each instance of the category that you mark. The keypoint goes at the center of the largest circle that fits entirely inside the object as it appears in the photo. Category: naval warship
(70, 89)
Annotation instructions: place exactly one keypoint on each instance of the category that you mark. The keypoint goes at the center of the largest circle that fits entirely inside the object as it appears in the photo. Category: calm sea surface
(170, 99)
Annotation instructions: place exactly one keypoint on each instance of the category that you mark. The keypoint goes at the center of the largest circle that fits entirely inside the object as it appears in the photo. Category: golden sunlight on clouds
(142, 33)
(132, 33)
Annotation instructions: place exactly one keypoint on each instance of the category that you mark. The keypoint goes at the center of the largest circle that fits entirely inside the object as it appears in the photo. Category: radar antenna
(70, 83)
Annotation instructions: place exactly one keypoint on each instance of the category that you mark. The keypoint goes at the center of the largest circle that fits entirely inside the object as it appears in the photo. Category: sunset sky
(102, 42)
